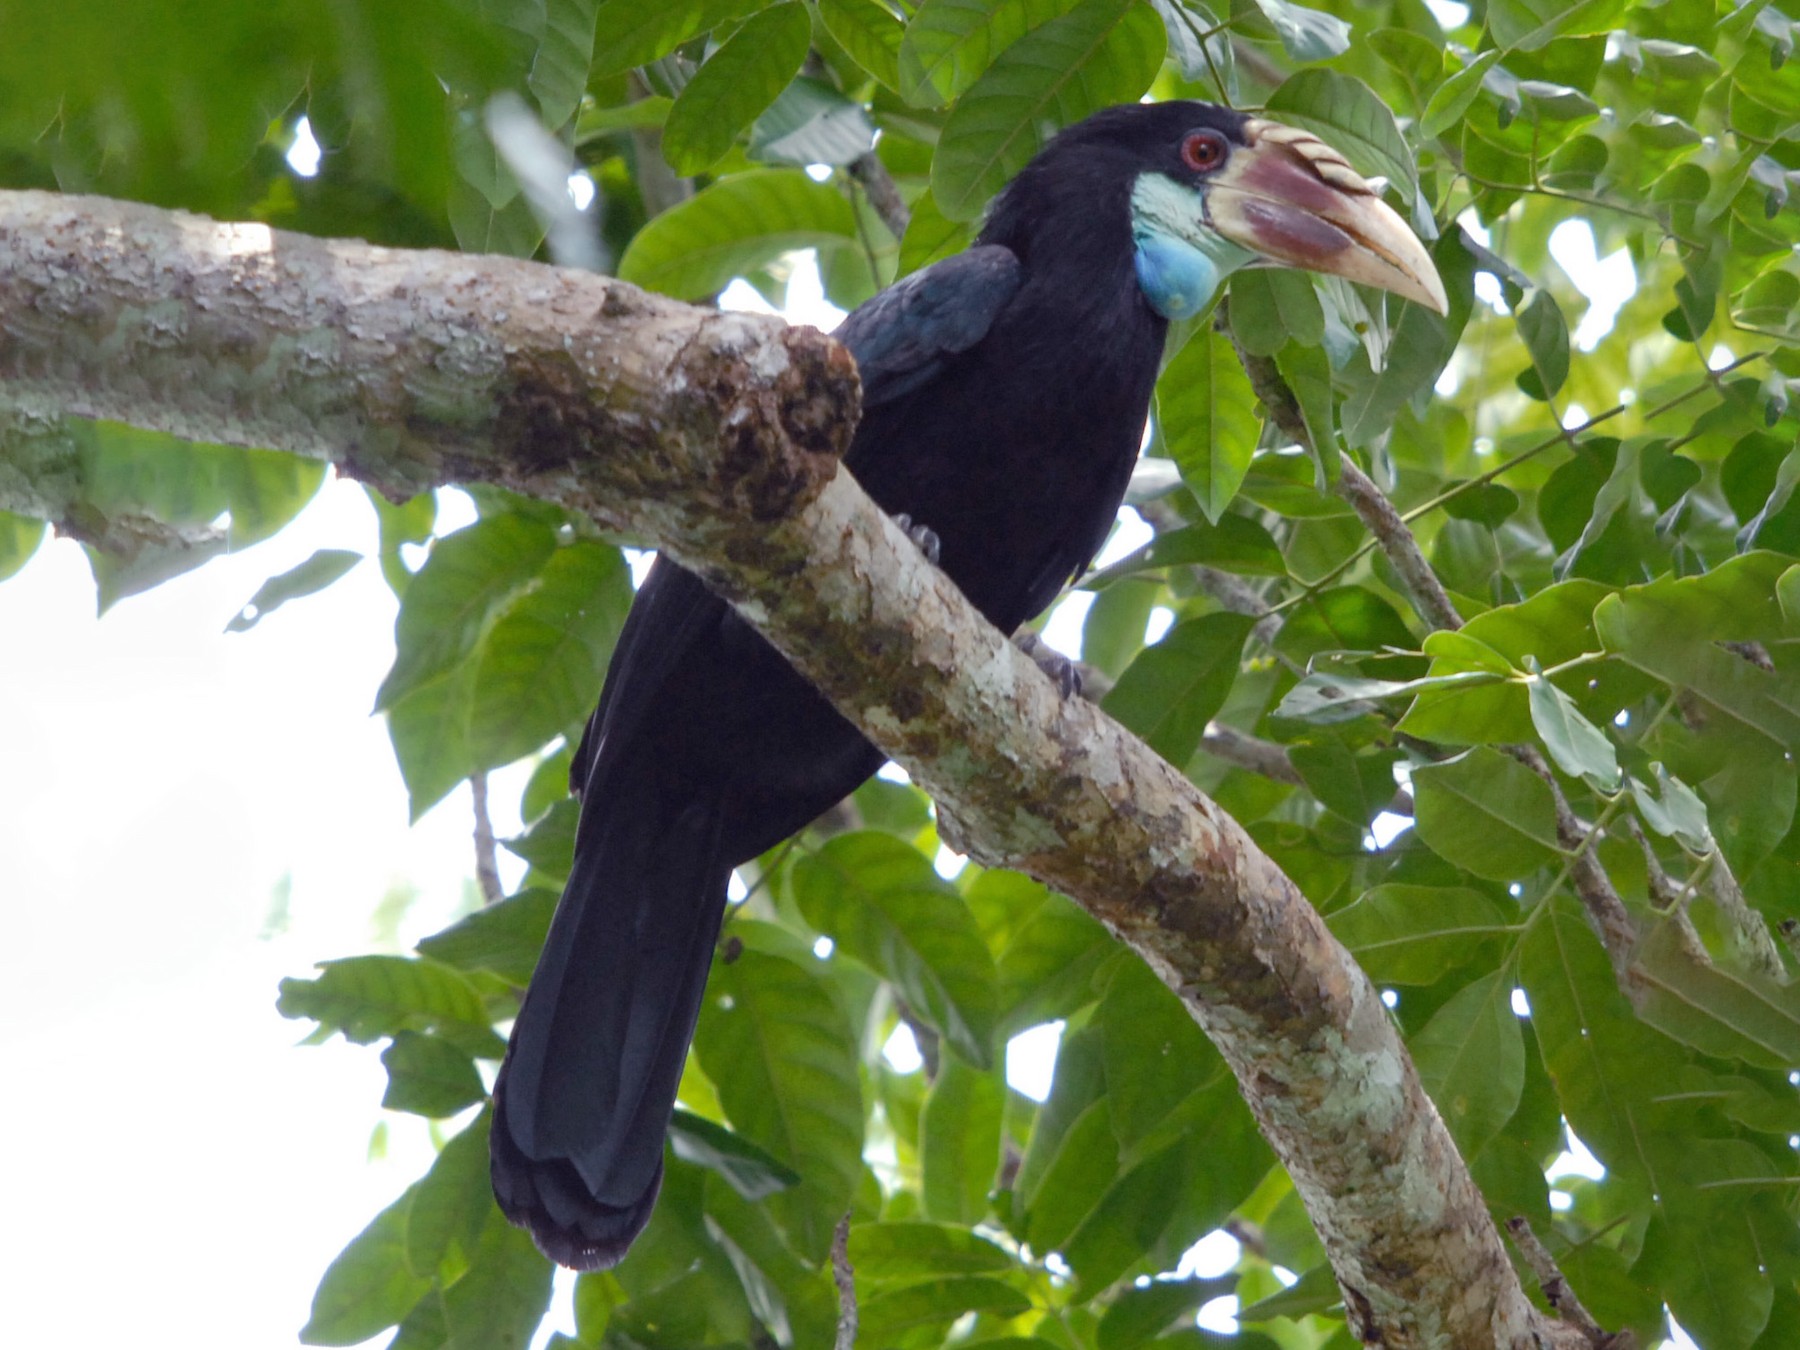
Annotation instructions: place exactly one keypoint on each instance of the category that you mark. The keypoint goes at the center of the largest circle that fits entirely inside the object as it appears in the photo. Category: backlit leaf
(734, 226)
(1100, 53)
(1172, 690)
(1487, 813)
(882, 902)
(734, 85)
(1206, 412)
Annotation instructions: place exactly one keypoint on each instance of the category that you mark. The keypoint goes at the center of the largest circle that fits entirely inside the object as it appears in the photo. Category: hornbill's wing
(903, 336)
(901, 339)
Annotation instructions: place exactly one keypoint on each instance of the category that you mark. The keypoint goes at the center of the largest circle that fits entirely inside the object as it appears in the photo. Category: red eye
(1203, 151)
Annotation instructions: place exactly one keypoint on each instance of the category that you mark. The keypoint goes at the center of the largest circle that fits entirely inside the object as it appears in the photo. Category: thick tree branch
(716, 436)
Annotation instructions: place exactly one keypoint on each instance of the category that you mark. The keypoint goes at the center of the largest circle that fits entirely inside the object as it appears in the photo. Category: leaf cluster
(1610, 506)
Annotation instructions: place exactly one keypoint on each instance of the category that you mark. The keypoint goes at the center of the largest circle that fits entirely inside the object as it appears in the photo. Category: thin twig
(884, 196)
(1557, 1293)
(845, 1275)
(1750, 938)
(487, 857)
(1790, 934)
(1249, 752)
(1370, 503)
(1377, 512)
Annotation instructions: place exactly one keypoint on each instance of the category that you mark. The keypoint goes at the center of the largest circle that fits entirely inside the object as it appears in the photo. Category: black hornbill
(1004, 398)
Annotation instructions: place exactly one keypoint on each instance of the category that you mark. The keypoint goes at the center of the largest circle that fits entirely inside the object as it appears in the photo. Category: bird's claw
(1064, 673)
(923, 536)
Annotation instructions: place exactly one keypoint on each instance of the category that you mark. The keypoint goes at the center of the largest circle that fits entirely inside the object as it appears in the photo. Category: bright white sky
(167, 1147)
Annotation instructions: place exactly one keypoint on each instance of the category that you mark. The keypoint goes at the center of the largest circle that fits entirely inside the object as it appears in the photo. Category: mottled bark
(717, 436)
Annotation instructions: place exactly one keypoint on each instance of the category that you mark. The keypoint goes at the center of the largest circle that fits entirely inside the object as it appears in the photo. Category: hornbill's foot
(1064, 673)
(922, 535)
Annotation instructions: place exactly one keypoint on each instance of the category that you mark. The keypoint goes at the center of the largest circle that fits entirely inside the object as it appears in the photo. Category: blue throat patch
(1178, 279)
(1181, 260)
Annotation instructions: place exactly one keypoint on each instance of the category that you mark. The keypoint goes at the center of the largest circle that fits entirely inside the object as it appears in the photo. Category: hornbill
(1005, 392)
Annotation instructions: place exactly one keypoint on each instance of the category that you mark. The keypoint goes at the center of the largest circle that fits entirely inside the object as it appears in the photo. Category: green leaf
(1046, 948)
(1129, 1220)
(1206, 412)
(890, 1313)
(909, 1251)
(959, 1141)
(1346, 619)
(429, 1076)
(1454, 95)
(559, 70)
(1605, 1064)
(1545, 334)
(881, 900)
(1100, 53)
(1403, 934)
(775, 1043)
(1551, 627)
(549, 845)
(504, 937)
(950, 43)
(811, 123)
(19, 539)
(369, 997)
(1486, 813)
(870, 32)
(635, 32)
(1307, 371)
(1669, 629)
(1346, 113)
(1235, 543)
(453, 598)
(127, 471)
(733, 227)
(1333, 697)
(931, 235)
(1357, 787)
(1531, 24)
(1138, 1315)
(1306, 34)
(504, 1294)
(429, 728)
(449, 1206)
(752, 1172)
(488, 210)
(1676, 811)
(542, 663)
(1471, 1058)
(1271, 306)
(1156, 1059)
(1077, 1170)
(314, 575)
(1172, 690)
(369, 1286)
(1579, 748)
(646, 114)
(1707, 1260)
(733, 87)
(1726, 1013)
(1316, 1291)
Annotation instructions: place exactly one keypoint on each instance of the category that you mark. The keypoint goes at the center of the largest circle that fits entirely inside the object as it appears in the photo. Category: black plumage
(1005, 396)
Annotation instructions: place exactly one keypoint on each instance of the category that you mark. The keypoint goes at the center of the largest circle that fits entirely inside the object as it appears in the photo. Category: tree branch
(716, 436)
(487, 856)
(1373, 507)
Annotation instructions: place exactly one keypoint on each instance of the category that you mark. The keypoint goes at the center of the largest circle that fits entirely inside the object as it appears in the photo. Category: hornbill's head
(1211, 190)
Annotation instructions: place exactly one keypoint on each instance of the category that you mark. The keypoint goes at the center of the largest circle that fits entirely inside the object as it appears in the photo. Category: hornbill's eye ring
(1203, 151)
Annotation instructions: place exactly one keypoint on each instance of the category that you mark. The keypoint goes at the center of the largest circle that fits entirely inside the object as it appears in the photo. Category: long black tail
(584, 1095)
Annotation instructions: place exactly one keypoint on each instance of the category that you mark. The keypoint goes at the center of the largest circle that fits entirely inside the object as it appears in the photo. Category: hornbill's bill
(1004, 397)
